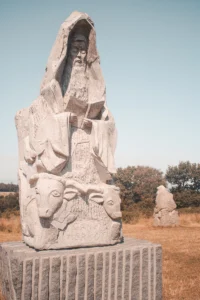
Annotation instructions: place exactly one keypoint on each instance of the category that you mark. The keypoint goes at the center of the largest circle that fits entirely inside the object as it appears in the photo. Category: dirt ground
(181, 258)
(181, 252)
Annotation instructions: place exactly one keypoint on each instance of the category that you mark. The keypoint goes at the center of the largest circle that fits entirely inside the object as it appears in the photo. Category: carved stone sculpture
(67, 139)
(165, 213)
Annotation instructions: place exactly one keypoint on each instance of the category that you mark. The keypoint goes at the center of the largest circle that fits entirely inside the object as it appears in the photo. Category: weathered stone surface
(165, 213)
(67, 139)
(129, 270)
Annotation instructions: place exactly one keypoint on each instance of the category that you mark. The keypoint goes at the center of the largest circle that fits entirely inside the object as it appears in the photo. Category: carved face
(78, 50)
(49, 196)
(112, 203)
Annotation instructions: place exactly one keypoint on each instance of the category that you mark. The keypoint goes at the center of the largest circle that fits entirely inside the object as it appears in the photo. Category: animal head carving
(112, 202)
(110, 199)
(50, 192)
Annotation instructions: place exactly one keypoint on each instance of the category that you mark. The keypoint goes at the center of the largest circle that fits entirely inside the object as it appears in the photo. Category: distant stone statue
(165, 213)
(67, 139)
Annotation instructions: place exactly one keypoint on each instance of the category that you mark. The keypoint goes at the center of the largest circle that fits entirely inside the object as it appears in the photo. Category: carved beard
(75, 83)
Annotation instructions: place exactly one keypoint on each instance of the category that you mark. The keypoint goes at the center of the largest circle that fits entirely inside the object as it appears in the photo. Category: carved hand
(73, 118)
(87, 123)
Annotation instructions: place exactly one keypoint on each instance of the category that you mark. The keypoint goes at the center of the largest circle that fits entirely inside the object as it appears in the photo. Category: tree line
(9, 187)
(138, 186)
(184, 181)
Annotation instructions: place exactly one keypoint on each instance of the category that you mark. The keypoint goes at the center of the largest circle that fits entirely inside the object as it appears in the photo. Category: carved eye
(74, 50)
(37, 192)
(56, 194)
(110, 202)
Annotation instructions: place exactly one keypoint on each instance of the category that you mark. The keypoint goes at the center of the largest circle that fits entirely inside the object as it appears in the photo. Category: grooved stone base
(131, 270)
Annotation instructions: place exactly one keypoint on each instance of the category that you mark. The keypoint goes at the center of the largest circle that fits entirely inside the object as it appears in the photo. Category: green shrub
(187, 198)
(9, 203)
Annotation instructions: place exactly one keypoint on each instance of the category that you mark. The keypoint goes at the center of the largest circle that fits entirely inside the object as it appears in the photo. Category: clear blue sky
(150, 57)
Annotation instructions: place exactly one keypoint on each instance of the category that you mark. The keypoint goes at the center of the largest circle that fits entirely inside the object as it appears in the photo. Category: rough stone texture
(165, 213)
(130, 271)
(67, 139)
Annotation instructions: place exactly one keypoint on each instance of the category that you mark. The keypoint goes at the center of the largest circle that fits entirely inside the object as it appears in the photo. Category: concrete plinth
(131, 270)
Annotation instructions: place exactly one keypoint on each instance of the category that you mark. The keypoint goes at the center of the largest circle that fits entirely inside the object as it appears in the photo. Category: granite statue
(165, 213)
(67, 139)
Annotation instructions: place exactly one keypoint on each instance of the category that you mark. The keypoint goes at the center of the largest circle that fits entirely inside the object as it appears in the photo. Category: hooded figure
(71, 132)
(67, 139)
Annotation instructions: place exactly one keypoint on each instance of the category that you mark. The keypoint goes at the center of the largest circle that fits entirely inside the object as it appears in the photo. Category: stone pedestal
(131, 270)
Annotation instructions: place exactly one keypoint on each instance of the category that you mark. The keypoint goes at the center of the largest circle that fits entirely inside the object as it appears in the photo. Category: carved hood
(51, 83)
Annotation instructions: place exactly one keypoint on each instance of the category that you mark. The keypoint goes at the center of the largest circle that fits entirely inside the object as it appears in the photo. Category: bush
(138, 185)
(187, 198)
(144, 209)
(9, 203)
(184, 180)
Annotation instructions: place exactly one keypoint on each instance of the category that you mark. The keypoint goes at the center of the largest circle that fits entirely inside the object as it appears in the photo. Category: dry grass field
(181, 251)
(181, 254)
(7, 193)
